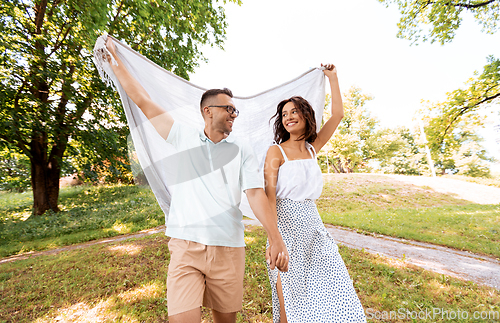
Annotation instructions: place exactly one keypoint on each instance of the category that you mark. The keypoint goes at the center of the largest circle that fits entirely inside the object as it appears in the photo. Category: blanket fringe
(101, 54)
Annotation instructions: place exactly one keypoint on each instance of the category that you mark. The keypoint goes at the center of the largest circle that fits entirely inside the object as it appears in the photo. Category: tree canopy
(350, 148)
(359, 145)
(481, 90)
(443, 17)
(438, 21)
(51, 96)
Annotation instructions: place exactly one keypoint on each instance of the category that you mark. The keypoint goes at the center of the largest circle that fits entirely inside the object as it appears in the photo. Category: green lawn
(377, 204)
(88, 213)
(126, 282)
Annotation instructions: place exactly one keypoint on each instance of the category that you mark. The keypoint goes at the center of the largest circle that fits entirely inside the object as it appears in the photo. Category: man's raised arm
(160, 119)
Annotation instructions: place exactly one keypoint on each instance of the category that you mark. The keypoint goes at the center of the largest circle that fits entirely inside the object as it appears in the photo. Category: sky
(270, 42)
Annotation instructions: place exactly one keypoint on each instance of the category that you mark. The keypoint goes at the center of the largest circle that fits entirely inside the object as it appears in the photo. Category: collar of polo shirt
(229, 138)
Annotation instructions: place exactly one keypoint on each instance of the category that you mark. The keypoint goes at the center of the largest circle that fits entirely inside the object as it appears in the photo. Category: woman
(317, 287)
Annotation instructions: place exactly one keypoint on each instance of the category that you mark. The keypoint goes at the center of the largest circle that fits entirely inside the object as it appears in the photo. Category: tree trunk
(44, 177)
(337, 171)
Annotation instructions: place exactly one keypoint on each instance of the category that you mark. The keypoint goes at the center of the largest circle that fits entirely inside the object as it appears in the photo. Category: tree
(471, 160)
(349, 148)
(444, 18)
(460, 150)
(406, 157)
(50, 90)
(359, 146)
(481, 91)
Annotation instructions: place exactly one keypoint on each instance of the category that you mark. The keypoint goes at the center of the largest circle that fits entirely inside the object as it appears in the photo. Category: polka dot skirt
(317, 287)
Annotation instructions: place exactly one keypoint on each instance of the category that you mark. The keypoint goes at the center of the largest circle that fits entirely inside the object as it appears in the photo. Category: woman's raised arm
(331, 124)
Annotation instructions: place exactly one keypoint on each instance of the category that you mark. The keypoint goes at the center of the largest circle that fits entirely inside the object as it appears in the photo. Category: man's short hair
(210, 94)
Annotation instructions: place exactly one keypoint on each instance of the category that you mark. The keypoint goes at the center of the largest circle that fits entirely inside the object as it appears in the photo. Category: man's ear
(207, 112)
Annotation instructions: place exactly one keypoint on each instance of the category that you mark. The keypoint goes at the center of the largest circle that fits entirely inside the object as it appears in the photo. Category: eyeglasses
(229, 108)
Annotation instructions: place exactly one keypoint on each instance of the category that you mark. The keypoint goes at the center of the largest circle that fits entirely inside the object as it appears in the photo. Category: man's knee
(191, 316)
(224, 317)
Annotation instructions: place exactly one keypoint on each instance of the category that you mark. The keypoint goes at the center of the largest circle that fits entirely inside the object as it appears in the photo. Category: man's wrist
(273, 240)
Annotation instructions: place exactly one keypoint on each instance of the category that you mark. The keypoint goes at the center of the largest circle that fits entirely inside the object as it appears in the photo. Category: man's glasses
(229, 108)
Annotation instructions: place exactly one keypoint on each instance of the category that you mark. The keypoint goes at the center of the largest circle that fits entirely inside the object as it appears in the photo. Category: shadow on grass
(118, 282)
(127, 282)
(113, 282)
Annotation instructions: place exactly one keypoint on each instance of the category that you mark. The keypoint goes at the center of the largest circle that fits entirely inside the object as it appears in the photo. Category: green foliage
(358, 146)
(458, 151)
(14, 171)
(349, 149)
(51, 96)
(446, 128)
(405, 157)
(481, 90)
(444, 17)
(91, 162)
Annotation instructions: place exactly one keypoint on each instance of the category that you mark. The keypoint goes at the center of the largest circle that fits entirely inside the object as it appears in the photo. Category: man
(207, 246)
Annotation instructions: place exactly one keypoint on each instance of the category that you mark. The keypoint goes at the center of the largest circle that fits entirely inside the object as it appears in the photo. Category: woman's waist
(298, 193)
(302, 213)
(286, 200)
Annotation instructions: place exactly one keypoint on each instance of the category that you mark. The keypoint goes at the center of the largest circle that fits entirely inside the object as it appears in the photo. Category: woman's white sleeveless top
(299, 179)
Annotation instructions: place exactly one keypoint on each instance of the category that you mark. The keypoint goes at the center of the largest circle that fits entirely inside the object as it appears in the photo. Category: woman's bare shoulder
(274, 153)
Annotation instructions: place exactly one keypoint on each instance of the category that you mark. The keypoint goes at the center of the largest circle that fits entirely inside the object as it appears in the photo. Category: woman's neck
(296, 144)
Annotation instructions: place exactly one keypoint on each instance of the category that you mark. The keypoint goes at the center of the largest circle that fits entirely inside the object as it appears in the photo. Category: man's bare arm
(159, 118)
(260, 206)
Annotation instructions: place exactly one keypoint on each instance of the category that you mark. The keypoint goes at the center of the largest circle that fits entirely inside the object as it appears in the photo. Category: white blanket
(182, 98)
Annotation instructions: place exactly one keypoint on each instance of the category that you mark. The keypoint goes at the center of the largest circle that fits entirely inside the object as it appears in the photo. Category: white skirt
(317, 287)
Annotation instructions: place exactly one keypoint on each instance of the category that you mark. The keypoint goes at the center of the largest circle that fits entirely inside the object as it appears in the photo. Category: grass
(88, 213)
(347, 193)
(15, 204)
(126, 282)
(368, 203)
(377, 204)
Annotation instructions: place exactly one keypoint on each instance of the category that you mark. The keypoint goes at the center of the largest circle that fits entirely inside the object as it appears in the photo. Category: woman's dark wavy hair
(307, 113)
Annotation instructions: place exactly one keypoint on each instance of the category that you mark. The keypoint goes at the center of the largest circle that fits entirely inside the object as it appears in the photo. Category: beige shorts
(198, 275)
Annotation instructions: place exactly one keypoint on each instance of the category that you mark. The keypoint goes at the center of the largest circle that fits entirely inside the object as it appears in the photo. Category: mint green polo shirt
(207, 191)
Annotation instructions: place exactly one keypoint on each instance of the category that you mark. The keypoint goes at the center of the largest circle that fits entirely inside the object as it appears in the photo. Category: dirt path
(443, 260)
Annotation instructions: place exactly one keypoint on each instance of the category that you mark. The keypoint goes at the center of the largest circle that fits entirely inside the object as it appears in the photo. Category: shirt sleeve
(250, 175)
(181, 135)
